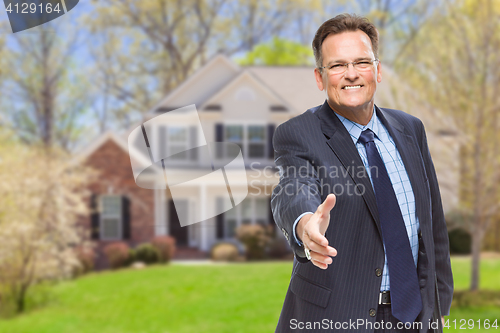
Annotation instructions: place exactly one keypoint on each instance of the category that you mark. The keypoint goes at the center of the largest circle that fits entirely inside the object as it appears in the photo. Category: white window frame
(103, 216)
(245, 143)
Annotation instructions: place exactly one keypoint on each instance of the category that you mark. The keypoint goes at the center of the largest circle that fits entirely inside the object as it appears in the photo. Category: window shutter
(219, 220)
(220, 226)
(219, 137)
(126, 217)
(219, 132)
(94, 217)
(270, 133)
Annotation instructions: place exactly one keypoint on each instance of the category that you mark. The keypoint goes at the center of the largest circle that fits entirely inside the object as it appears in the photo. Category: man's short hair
(342, 23)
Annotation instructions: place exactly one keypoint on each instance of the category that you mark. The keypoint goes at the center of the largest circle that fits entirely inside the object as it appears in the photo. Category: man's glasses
(360, 66)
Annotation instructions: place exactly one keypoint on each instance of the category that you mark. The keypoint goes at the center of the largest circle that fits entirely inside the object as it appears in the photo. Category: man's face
(344, 48)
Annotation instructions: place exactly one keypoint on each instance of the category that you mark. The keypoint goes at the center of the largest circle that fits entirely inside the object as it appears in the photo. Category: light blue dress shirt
(399, 179)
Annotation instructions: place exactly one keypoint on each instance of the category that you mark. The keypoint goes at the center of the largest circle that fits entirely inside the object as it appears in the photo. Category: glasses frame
(346, 66)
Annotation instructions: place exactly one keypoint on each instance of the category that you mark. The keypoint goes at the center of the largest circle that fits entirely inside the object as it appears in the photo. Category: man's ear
(319, 79)
(379, 72)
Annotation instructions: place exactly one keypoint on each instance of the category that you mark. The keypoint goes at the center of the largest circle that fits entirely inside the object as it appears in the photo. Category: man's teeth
(352, 87)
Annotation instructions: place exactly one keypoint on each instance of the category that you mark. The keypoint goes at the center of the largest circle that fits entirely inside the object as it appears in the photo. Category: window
(256, 141)
(262, 210)
(251, 139)
(234, 134)
(251, 211)
(178, 142)
(111, 217)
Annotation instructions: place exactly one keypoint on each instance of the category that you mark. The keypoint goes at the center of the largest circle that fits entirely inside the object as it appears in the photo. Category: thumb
(329, 203)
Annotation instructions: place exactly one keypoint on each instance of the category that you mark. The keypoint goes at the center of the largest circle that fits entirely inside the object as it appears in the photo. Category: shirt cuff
(295, 226)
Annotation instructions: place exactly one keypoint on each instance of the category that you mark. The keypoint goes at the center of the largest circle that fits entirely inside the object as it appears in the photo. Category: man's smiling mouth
(352, 87)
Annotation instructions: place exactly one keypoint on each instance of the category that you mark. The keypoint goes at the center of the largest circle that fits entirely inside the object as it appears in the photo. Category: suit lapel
(410, 154)
(343, 147)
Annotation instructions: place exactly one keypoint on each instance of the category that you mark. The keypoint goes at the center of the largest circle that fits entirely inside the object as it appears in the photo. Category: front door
(179, 233)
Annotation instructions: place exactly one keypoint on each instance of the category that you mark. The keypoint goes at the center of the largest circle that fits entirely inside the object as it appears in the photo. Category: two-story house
(242, 105)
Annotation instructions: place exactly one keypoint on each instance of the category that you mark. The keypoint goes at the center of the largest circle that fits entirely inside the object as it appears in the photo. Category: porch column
(203, 212)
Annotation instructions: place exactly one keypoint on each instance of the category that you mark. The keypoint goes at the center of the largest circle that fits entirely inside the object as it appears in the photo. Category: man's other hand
(311, 230)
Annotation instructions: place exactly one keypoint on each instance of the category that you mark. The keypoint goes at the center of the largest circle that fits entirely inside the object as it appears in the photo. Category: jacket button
(373, 313)
(378, 272)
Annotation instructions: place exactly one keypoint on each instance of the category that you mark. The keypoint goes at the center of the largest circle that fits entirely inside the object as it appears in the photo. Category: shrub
(460, 241)
(224, 252)
(476, 299)
(146, 253)
(118, 254)
(279, 249)
(165, 246)
(256, 238)
(86, 258)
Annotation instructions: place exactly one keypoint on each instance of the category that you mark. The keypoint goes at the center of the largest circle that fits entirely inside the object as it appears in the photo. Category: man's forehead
(350, 44)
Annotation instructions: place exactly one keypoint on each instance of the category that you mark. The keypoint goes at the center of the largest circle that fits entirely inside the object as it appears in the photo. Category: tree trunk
(476, 253)
(21, 300)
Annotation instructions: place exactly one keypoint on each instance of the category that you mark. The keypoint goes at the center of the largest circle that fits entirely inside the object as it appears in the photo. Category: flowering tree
(42, 198)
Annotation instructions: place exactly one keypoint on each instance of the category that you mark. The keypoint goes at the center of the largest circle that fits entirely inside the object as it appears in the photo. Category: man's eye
(364, 63)
(336, 66)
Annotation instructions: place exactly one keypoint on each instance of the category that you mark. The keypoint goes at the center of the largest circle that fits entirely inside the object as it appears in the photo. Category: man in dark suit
(358, 201)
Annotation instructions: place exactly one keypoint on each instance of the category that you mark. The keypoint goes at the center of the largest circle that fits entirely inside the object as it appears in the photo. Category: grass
(489, 280)
(175, 298)
(205, 298)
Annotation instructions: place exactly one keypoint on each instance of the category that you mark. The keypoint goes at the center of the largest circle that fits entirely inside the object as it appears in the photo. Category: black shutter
(219, 132)
(220, 226)
(126, 217)
(94, 217)
(270, 133)
(219, 137)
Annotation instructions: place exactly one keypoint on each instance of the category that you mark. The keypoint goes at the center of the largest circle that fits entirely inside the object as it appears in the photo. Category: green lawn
(490, 280)
(203, 298)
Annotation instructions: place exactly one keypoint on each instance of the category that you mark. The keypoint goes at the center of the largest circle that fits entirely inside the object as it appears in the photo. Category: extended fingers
(320, 249)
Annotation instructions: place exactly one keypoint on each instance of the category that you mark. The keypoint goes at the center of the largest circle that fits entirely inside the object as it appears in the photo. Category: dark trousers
(387, 323)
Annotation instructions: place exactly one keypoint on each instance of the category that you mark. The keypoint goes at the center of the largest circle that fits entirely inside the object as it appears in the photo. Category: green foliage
(146, 253)
(280, 52)
(460, 241)
(478, 298)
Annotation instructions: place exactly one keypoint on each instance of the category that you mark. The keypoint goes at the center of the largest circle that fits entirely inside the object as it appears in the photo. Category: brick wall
(115, 177)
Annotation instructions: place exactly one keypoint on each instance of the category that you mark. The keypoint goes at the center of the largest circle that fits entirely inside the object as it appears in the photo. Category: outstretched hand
(311, 230)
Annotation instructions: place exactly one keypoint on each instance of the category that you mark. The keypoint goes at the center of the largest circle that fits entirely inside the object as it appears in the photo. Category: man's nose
(351, 72)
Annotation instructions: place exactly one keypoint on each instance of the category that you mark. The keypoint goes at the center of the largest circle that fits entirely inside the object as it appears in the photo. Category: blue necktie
(406, 302)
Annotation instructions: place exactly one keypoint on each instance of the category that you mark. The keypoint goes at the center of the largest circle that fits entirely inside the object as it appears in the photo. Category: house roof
(251, 77)
(296, 85)
(97, 143)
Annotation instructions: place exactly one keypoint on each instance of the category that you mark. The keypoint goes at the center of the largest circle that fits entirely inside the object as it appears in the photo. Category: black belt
(384, 297)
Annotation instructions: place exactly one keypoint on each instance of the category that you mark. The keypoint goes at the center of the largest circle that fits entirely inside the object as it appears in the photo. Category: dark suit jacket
(316, 156)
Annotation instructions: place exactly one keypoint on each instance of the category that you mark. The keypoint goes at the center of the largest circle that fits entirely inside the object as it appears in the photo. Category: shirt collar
(356, 129)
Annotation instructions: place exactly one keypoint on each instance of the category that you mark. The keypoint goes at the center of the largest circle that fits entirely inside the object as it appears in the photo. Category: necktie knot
(366, 136)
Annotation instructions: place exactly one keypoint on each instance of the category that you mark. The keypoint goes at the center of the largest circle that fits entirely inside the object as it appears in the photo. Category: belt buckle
(383, 297)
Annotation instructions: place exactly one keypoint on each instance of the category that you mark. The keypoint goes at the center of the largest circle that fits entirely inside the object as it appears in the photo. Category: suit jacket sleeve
(298, 190)
(440, 232)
